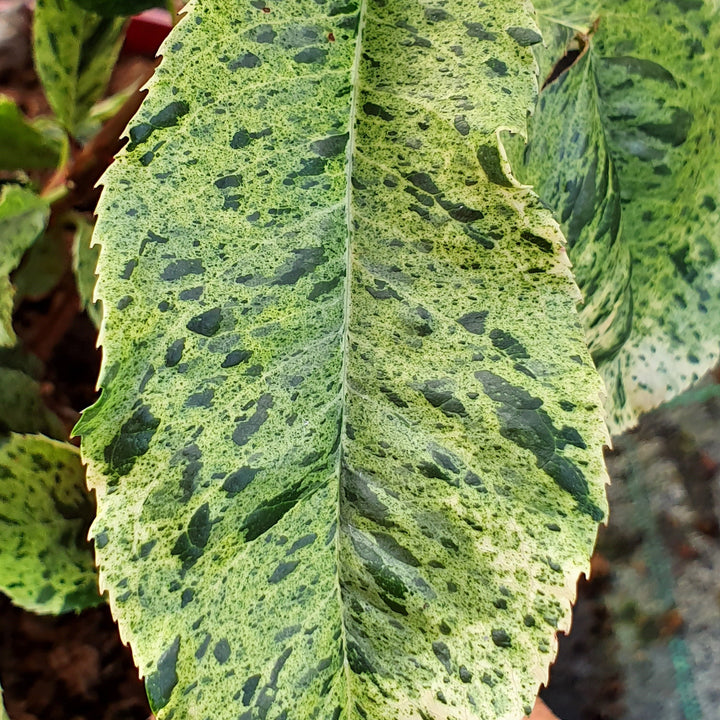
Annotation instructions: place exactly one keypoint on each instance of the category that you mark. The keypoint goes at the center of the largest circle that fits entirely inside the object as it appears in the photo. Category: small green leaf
(102, 111)
(623, 146)
(43, 266)
(46, 562)
(22, 408)
(23, 216)
(85, 259)
(348, 448)
(112, 8)
(25, 145)
(75, 52)
(16, 358)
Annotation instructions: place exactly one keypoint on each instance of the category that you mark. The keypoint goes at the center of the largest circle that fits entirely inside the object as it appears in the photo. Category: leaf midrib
(347, 294)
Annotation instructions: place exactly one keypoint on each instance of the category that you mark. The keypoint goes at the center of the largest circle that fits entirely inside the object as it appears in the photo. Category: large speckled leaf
(624, 147)
(46, 562)
(22, 218)
(25, 145)
(75, 51)
(348, 449)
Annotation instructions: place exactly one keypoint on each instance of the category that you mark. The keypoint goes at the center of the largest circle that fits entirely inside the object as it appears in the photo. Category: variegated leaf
(23, 216)
(348, 449)
(624, 147)
(46, 562)
(75, 51)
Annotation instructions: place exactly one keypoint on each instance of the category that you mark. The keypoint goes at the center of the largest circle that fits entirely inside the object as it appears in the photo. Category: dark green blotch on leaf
(674, 132)
(199, 526)
(47, 592)
(489, 158)
(342, 9)
(167, 117)
(501, 638)
(270, 512)
(644, 68)
(508, 344)
(240, 139)
(237, 481)
(207, 323)
(370, 108)
(235, 358)
(424, 182)
(247, 60)
(170, 114)
(525, 423)
(282, 571)
(442, 653)
(477, 30)
(330, 146)
(311, 55)
(305, 260)
(131, 442)
(474, 322)
(497, 66)
(524, 36)
(180, 268)
(229, 181)
(540, 242)
(160, 684)
(249, 688)
(221, 651)
(245, 429)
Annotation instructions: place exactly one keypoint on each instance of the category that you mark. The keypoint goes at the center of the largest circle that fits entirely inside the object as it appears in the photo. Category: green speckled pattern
(624, 148)
(22, 218)
(46, 562)
(75, 51)
(348, 450)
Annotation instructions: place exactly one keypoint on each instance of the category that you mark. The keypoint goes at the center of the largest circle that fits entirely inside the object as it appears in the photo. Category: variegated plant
(624, 149)
(348, 452)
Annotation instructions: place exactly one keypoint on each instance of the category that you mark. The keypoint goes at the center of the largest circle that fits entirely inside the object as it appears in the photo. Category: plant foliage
(23, 216)
(623, 146)
(45, 563)
(75, 51)
(348, 449)
(27, 145)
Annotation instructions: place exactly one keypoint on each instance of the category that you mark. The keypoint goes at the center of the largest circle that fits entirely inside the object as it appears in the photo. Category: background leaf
(25, 145)
(85, 259)
(110, 8)
(46, 562)
(348, 448)
(623, 147)
(22, 408)
(75, 51)
(43, 266)
(23, 216)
